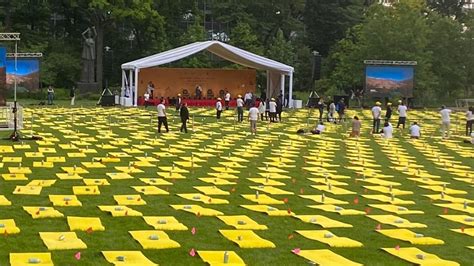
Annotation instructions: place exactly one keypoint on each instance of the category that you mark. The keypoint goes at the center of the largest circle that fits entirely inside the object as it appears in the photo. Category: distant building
(468, 4)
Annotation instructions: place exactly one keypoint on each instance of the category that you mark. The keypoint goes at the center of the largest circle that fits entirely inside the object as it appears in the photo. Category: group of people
(332, 108)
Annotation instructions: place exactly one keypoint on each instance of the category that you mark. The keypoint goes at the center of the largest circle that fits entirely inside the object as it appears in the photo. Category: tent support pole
(282, 89)
(290, 91)
(135, 91)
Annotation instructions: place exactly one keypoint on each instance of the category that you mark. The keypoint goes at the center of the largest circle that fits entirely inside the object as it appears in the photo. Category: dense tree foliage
(436, 34)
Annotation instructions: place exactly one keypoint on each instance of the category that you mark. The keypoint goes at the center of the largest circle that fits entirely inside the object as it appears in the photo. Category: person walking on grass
(72, 94)
(227, 100)
(273, 109)
(184, 115)
(376, 113)
(332, 112)
(321, 108)
(279, 108)
(341, 110)
(50, 95)
(402, 114)
(262, 109)
(445, 121)
(218, 108)
(240, 109)
(469, 120)
(178, 102)
(388, 112)
(162, 120)
(253, 117)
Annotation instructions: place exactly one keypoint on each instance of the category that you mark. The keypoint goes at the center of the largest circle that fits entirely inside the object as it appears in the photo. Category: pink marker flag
(397, 247)
(296, 250)
(192, 252)
(193, 230)
(378, 227)
(77, 256)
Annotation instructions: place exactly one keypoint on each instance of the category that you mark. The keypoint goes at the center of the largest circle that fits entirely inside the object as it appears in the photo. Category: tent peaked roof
(225, 51)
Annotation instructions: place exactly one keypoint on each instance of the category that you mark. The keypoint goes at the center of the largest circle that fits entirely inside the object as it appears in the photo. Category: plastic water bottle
(256, 194)
(226, 257)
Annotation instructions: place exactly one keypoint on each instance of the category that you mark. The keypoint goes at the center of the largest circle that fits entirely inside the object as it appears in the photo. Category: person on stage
(240, 109)
(198, 92)
(184, 115)
(150, 89)
(162, 120)
(146, 98)
(227, 99)
(178, 102)
(218, 108)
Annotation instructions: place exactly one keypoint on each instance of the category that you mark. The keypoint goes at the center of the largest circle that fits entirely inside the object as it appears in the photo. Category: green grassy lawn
(137, 126)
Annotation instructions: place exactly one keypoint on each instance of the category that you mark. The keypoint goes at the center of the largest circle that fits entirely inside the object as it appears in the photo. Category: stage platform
(190, 102)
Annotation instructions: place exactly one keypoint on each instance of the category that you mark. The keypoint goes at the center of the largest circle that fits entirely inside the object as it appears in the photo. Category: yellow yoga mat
(325, 257)
(68, 176)
(120, 211)
(272, 190)
(271, 211)
(198, 210)
(246, 239)
(42, 212)
(27, 190)
(467, 231)
(322, 221)
(329, 238)
(86, 190)
(389, 199)
(327, 180)
(457, 207)
(395, 209)
(84, 223)
(428, 181)
(337, 209)
(211, 190)
(333, 189)
(150, 190)
(262, 199)
(409, 236)
(42, 183)
(387, 190)
(8, 226)
(171, 175)
(464, 219)
(266, 181)
(25, 259)
(419, 257)
(154, 239)
(324, 199)
(14, 177)
(445, 190)
(274, 176)
(132, 258)
(4, 201)
(221, 258)
(444, 197)
(75, 170)
(242, 222)
(64, 200)
(43, 164)
(396, 221)
(129, 200)
(96, 182)
(272, 170)
(119, 176)
(156, 181)
(202, 198)
(173, 169)
(378, 181)
(216, 181)
(164, 223)
(226, 170)
(128, 169)
(187, 164)
(62, 240)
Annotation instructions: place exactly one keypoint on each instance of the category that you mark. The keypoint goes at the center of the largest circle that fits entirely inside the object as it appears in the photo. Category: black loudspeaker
(107, 100)
(317, 67)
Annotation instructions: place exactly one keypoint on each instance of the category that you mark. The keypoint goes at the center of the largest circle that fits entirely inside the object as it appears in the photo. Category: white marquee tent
(276, 71)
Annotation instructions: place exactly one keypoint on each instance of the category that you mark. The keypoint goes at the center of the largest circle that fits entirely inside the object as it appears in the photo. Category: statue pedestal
(86, 87)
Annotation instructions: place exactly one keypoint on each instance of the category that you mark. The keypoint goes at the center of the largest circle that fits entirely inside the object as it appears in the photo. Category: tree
(449, 8)
(243, 37)
(280, 49)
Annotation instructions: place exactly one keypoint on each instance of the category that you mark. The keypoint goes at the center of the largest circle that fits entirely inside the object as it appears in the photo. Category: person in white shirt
(469, 120)
(445, 121)
(218, 108)
(332, 112)
(227, 100)
(402, 114)
(272, 104)
(240, 109)
(247, 98)
(162, 120)
(387, 130)
(253, 117)
(261, 109)
(319, 128)
(146, 97)
(376, 113)
(415, 131)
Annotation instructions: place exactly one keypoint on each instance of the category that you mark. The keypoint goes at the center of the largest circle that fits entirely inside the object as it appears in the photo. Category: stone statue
(88, 55)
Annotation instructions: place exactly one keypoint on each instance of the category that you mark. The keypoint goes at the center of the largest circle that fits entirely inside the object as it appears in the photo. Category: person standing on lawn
(72, 94)
(262, 109)
(321, 108)
(240, 109)
(178, 102)
(227, 100)
(356, 125)
(376, 113)
(162, 120)
(402, 114)
(332, 112)
(184, 115)
(253, 117)
(469, 120)
(218, 108)
(445, 121)
(279, 108)
(388, 113)
(50, 95)
(273, 109)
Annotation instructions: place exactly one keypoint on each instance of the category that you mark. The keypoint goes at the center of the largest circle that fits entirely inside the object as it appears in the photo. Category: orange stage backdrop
(171, 81)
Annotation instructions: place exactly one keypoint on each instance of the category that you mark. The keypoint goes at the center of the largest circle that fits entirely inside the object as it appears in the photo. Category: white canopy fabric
(225, 51)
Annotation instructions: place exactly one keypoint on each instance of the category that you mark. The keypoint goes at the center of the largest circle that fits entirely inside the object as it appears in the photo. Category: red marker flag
(192, 252)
